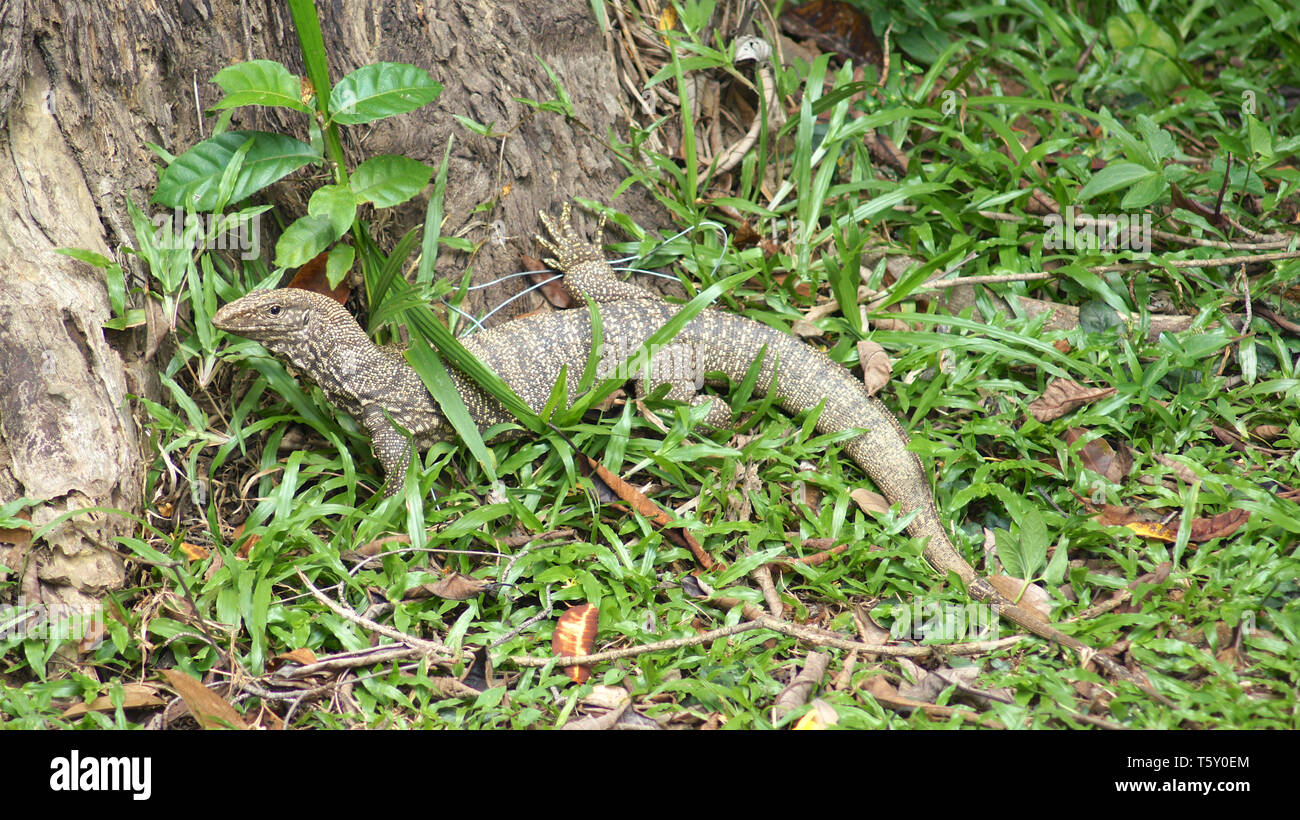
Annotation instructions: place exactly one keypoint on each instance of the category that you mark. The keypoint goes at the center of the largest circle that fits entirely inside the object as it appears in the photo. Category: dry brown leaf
(1112, 515)
(1097, 455)
(892, 324)
(930, 685)
(248, 545)
(575, 635)
(805, 329)
(869, 502)
(1184, 473)
(880, 688)
(836, 27)
(1202, 529)
(1062, 395)
(1267, 432)
(1218, 526)
(801, 288)
(373, 548)
(552, 289)
(194, 552)
(312, 277)
(457, 587)
(650, 510)
(607, 697)
(1229, 438)
(208, 708)
(134, 696)
(1031, 597)
(301, 656)
(964, 679)
(1154, 529)
(19, 536)
(876, 368)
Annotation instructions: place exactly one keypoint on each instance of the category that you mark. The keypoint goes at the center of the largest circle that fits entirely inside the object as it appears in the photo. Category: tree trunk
(84, 87)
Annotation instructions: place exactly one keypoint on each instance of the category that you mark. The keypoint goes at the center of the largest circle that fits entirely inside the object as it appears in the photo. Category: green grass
(961, 385)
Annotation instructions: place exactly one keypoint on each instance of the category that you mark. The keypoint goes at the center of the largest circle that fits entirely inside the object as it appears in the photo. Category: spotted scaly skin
(379, 388)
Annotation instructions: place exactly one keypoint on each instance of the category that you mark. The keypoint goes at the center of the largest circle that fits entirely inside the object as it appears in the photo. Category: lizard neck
(348, 367)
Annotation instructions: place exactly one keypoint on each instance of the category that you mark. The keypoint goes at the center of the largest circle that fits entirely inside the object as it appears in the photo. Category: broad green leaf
(9, 512)
(191, 181)
(1148, 47)
(1113, 177)
(304, 240)
(381, 90)
(338, 203)
(1261, 141)
(339, 263)
(389, 180)
(1145, 192)
(259, 82)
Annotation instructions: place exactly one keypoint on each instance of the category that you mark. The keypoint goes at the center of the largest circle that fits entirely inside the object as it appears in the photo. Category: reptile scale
(378, 387)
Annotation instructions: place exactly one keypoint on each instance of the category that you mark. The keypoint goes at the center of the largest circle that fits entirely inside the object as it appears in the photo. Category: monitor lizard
(377, 386)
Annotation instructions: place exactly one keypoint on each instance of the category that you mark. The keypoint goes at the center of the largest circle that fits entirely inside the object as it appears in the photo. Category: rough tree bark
(84, 87)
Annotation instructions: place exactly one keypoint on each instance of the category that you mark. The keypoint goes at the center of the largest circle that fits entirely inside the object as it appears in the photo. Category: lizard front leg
(586, 273)
(392, 448)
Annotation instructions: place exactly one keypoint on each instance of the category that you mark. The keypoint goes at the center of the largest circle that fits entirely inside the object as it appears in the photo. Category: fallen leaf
(1218, 526)
(311, 276)
(1062, 395)
(548, 281)
(209, 709)
(869, 502)
(1184, 473)
(876, 368)
(134, 696)
(606, 697)
(1097, 455)
(1268, 432)
(247, 546)
(301, 656)
(194, 552)
(650, 510)
(1154, 529)
(805, 329)
(1229, 438)
(575, 635)
(1026, 596)
(457, 587)
(836, 27)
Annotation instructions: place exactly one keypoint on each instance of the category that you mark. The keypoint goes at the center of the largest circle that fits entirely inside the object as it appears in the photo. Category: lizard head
(283, 319)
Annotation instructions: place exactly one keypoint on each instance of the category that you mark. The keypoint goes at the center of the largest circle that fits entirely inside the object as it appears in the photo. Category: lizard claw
(568, 247)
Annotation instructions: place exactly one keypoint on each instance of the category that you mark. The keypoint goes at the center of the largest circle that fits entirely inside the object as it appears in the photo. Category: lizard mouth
(221, 321)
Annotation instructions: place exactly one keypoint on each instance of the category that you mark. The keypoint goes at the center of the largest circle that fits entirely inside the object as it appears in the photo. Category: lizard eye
(274, 310)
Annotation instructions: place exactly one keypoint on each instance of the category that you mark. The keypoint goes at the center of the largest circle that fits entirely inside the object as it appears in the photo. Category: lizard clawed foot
(569, 248)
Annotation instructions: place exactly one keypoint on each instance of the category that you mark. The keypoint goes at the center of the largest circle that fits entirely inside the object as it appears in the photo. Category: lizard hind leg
(677, 366)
